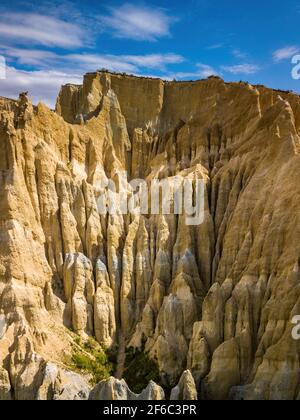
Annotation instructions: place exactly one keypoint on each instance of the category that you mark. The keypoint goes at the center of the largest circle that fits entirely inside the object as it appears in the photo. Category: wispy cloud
(92, 62)
(206, 70)
(202, 71)
(28, 57)
(40, 30)
(141, 23)
(43, 85)
(154, 61)
(285, 53)
(122, 63)
(239, 54)
(241, 69)
(215, 46)
(89, 61)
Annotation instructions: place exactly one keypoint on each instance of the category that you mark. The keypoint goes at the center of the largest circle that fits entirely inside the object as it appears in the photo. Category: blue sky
(48, 43)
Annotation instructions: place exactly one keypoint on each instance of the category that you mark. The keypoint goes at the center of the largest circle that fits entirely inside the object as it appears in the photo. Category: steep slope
(217, 299)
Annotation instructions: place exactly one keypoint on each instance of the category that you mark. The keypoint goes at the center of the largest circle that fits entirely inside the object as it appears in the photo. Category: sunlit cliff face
(211, 303)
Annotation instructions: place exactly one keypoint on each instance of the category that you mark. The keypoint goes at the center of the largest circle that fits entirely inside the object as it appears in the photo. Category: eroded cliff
(217, 299)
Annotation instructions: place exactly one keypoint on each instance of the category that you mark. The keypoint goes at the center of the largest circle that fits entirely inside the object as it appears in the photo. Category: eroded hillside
(215, 299)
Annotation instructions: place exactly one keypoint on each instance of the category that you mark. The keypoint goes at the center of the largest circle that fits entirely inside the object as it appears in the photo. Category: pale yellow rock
(224, 372)
(5, 387)
(117, 390)
(217, 299)
(186, 388)
(104, 308)
(79, 291)
(199, 354)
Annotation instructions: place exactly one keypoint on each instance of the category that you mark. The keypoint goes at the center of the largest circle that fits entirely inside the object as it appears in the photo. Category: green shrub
(140, 370)
(88, 357)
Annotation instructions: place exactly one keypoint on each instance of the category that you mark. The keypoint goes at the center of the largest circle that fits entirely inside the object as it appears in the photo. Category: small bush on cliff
(140, 370)
(88, 357)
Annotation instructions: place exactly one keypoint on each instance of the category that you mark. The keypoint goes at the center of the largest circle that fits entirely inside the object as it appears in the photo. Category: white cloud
(180, 75)
(285, 53)
(239, 54)
(40, 29)
(241, 69)
(206, 71)
(42, 85)
(154, 61)
(215, 46)
(90, 62)
(203, 71)
(29, 57)
(122, 63)
(138, 22)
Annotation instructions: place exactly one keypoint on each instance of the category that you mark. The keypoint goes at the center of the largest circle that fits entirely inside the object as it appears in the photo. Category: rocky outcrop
(186, 389)
(116, 390)
(79, 290)
(5, 387)
(215, 298)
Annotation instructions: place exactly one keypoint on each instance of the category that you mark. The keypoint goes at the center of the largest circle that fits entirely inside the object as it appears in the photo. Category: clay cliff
(210, 305)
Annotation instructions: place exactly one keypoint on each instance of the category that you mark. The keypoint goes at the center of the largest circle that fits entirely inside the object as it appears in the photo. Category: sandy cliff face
(216, 299)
